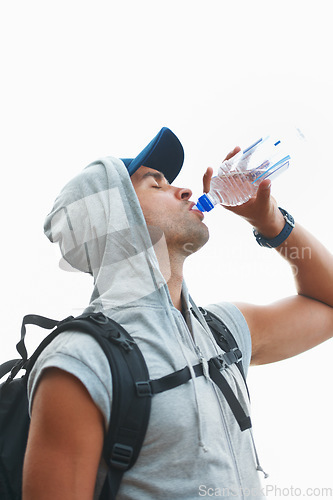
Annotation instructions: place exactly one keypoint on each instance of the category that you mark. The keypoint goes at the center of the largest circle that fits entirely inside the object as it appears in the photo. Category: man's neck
(172, 270)
(175, 284)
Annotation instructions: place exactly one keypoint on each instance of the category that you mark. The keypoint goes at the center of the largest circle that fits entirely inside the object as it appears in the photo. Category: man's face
(168, 208)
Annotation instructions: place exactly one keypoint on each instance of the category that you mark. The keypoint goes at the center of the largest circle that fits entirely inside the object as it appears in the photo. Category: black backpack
(132, 393)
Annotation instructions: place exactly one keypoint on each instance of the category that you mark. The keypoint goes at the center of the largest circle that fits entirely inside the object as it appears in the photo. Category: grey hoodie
(193, 447)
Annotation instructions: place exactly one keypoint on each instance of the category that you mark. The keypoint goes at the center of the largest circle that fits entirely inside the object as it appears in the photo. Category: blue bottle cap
(204, 204)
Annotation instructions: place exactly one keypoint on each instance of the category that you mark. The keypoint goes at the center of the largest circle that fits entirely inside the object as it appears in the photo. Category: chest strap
(179, 377)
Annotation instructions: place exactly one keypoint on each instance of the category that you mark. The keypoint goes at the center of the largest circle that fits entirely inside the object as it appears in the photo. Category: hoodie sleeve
(80, 355)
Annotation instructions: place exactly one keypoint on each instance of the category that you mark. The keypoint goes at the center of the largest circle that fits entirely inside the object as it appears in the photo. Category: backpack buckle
(143, 389)
(219, 362)
(121, 456)
(233, 356)
(203, 311)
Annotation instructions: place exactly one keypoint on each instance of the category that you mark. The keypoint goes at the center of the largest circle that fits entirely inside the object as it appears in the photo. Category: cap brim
(164, 153)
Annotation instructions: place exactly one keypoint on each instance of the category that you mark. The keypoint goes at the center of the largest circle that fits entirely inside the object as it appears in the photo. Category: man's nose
(184, 193)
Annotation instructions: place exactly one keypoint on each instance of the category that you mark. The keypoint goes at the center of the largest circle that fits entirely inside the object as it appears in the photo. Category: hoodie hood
(100, 228)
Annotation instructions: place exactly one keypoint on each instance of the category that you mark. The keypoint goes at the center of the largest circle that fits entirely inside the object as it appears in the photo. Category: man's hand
(260, 211)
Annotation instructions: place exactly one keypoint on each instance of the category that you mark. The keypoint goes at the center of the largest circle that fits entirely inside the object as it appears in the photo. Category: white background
(81, 80)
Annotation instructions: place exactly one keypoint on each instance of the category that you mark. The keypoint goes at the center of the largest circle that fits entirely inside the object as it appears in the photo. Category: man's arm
(65, 440)
(298, 323)
(295, 324)
(286, 328)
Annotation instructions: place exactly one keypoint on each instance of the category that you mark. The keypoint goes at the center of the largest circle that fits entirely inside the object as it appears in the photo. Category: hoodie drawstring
(259, 468)
(194, 380)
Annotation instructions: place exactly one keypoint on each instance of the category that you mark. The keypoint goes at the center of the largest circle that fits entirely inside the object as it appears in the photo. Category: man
(127, 225)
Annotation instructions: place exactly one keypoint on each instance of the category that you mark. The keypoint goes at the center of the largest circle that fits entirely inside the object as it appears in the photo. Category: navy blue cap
(164, 153)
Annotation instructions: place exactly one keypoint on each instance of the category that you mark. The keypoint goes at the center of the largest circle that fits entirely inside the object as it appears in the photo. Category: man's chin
(191, 247)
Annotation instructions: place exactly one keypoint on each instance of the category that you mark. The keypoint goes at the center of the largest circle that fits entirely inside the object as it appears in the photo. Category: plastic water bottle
(238, 178)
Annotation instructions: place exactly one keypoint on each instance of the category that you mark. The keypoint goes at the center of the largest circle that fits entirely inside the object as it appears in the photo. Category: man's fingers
(209, 172)
(264, 190)
(232, 153)
(206, 179)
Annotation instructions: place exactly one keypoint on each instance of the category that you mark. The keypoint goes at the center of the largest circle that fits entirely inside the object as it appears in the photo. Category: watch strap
(281, 237)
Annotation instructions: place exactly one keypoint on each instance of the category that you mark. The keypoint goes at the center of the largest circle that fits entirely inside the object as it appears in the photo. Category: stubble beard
(183, 236)
(188, 239)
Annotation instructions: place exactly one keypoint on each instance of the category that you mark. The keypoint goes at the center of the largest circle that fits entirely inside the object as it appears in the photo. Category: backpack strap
(243, 420)
(215, 365)
(225, 339)
(15, 365)
(130, 406)
(42, 322)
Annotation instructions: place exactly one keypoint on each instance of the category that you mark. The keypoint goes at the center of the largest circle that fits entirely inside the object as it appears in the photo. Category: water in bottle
(238, 178)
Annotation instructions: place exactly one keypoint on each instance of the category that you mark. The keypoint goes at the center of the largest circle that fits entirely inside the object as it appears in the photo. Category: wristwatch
(275, 242)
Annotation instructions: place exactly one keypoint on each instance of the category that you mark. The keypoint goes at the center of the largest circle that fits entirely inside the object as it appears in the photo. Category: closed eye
(158, 178)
